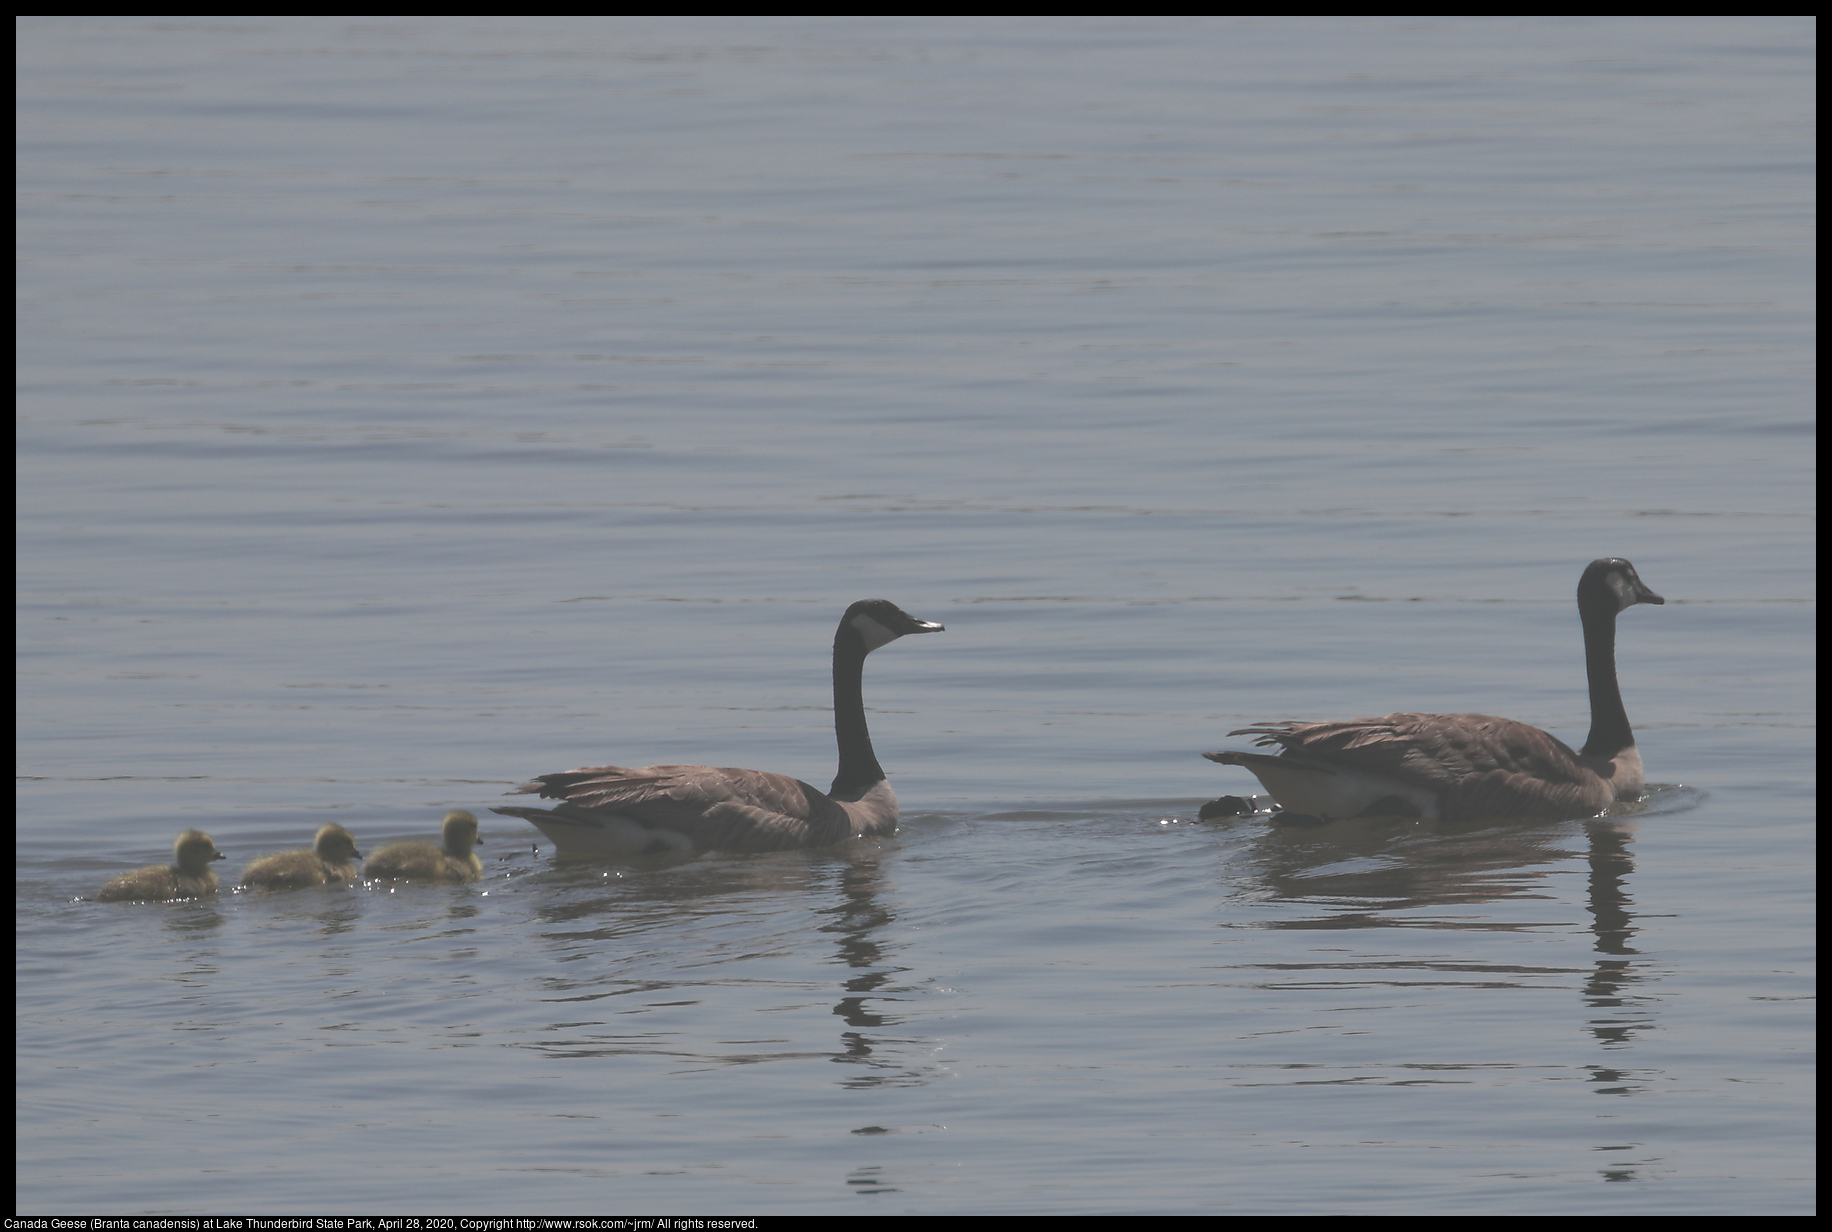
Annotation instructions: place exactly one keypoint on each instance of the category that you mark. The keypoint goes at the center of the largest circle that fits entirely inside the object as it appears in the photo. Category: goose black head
(878, 622)
(1610, 583)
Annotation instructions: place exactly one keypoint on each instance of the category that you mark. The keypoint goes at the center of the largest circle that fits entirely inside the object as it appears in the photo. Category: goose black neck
(1609, 729)
(859, 769)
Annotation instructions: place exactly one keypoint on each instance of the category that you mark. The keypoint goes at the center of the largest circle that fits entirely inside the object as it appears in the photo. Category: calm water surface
(409, 408)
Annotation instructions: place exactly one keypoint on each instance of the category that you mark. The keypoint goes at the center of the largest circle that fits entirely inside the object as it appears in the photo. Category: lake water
(408, 407)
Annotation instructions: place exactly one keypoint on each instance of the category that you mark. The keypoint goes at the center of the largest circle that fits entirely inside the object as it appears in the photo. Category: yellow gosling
(331, 861)
(425, 862)
(188, 876)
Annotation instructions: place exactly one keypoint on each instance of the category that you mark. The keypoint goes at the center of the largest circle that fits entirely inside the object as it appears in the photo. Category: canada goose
(331, 861)
(425, 862)
(188, 876)
(609, 810)
(1459, 767)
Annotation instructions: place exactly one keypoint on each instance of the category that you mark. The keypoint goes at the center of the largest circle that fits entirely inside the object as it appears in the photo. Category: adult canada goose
(331, 861)
(188, 876)
(424, 862)
(1458, 767)
(609, 810)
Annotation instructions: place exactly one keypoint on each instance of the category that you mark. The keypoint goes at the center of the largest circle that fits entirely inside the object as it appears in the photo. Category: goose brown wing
(1478, 764)
(716, 806)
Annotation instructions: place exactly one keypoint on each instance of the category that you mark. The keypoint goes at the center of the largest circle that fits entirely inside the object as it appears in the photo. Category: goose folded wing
(716, 806)
(1478, 764)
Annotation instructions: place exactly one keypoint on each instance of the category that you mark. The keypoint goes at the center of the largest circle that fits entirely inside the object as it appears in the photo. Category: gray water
(409, 407)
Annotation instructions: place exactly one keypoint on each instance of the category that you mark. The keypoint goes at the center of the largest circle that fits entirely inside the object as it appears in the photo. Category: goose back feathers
(1457, 767)
(611, 810)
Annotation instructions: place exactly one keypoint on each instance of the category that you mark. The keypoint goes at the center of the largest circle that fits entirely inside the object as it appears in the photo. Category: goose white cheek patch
(875, 634)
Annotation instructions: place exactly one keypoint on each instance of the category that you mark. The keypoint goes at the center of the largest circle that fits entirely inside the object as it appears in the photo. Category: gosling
(425, 862)
(331, 861)
(188, 876)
